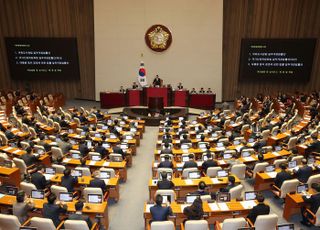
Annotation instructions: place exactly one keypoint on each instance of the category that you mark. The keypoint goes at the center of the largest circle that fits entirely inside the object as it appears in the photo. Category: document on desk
(106, 181)
(177, 141)
(66, 160)
(106, 163)
(275, 154)
(214, 207)
(7, 149)
(182, 206)
(148, 206)
(199, 163)
(48, 176)
(92, 163)
(215, 181)
(16, 151)
(221, 162)
(2, 195)
(249, 204)
(248, 159)
(188, 182)
(223, 207)
(272, 174)
(220, 148)
(185, 150)
(179, 165)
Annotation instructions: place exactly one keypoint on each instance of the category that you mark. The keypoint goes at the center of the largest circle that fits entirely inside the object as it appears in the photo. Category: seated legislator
(42, 142)
(165, 183)
(191, 163)
(68, 181)
(193, 91)
(180, 86)
(194, 211)
(202, 90)
(22, 206)
(304, 172)
(209, 91)
(79, 216)
(315, 145)
(28, 158)
(314, 202)
(9, 134)
(53, 210)
(157, 81)
(201, 189)
(100, 149)
(260, 209)
(64, 123)
(135, 85)
(118, 150)
(159, 212)
(64, 145)
(83, 148)
(166, 163)
(208, 163)
(38, 179)
(167, 149)
(185, 139)
(231, 184)
(98, 183)
(282, 176)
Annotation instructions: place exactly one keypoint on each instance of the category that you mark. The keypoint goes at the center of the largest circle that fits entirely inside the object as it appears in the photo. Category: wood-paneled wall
(267, 19)
(51, 18)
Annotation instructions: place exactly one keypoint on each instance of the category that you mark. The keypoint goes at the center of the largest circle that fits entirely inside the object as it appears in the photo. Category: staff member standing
(157, 81)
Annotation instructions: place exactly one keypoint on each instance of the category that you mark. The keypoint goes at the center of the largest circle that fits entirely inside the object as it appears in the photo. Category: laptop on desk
(250, 195)
(222, 173)
(285, 227)
(270, 168)
(223, 197)
(303, 188)
(76, 173)
(65, 196)
(35, 194)
(95, 198)
(191, 197)
(194, 175)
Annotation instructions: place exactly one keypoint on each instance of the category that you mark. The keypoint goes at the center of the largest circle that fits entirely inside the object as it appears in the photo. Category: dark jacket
(260, 209)
(39, 180)
(314, 202)
(281, 177)
(207, 164)
(76, 216)
(53, 211)
(97, 183)
(304, 173)
(160, 213)
(165, 164)
(29, 159)
(69, 182)
(84, 150)
(190, 164)
(193, 213)
(165, 184)
(118, 150)
(102, 151)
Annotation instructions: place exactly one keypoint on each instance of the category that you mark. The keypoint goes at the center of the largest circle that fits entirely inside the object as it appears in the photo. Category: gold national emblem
(158, 38)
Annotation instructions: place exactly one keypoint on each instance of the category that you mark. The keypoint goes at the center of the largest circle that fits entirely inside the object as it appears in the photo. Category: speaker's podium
(155, 104)
(180, 98)
(158, 92)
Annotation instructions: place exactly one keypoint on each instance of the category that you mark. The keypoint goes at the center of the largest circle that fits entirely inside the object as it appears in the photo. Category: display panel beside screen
(276, 59)
(43, 58)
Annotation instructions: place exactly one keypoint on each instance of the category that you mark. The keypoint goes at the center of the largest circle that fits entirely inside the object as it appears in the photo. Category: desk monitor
(292, 164)
(97, 135)
(194, 175)
(112, 136)
(198, 136)
(128, 137)
(302, 188)
(250, 195)
(270, 168)
(251, 140)
(205, 158)
(7, 163)
(220, 144)
(105, 175)
(50, 170)
(11, 190)
(185, 158)
(94, 198)
(229, 133)
(169, 176)
(191, 197)
(166, 199)
(214, 135)
(236, 142)
(223, 197)
(70, 130)
(65, 196)
(245, 154)
(133, 130)
(76, 172)
(119, 129)
(83, 133)
(40, 151)
(89, 144)
(117, 159)
(73, 142)
(105, 127)
(185, 146)
(35, 194)
(311, 161)
(95, 158)
(106, 145)
(28, 228)
(227, 156)
(109, 122)
(124, 146)
(222, 173)
(285, 227)
(58, 140)
(75, 156)
(277, 148)
(202, 145)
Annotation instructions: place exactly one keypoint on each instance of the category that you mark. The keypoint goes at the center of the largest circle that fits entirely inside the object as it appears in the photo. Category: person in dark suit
(166, 163)
(9, 134)
(304, 172)
(28, 158)
(165, 183)
(314, 202)
(100, 149)
(167, 139)
(315, 145)
(166, 149)
(83, 148)
(260, 209)
(231, 184)
(191, 163)
(180, 86)
(195, 211)
(22, 206)
(64, 145)
(43, 143)
(64, 123)
(208, 163)
(52, 210)
(68, 181)
(135, 85)
(118, 150)
(156, 81)
(79, 216)
(38, 179)
(201, 189)
(158, 212)
(185, 139)
(97, 182)
(82, 118)
(282, 176)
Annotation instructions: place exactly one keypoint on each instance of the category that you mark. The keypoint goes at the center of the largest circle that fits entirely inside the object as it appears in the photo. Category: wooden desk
(10, 176)
(183, 187)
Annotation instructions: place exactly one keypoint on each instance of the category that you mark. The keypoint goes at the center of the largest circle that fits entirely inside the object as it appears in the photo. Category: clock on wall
(158, 38)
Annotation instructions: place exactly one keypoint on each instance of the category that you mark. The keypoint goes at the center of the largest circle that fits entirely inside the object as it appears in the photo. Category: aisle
(128, 212)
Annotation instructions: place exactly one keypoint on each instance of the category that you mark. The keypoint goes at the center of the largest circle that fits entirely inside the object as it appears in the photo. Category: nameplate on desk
(180, 165)
(214, 207)
(106, 163)
(220, 148)
(275, 154)
(185, 150)
(272, 174)
(188, 182)
(215, 181)
(249, 204)
(223, 206)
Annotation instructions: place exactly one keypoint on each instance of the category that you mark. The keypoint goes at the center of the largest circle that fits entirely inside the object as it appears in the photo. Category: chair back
(266, 222)
(56, 153)
(288, 186)
(85, 171)
(59, 168)
(110, 170)
(186, 171)
(196, 225)
(115, 156)
(76, 225)
(86, 191)
(9, 222)
(42, 223)
(234, 223)
(292, 143)
(313, 179)
(166, 192)
(162, 225)
(21, 165)
(265, 134)
(278, 162)
(167, 170)
(259, 167)
(27, 187)
(298, 159)
(239, 170)
(236, 192)
(56, 190)
(212, 171)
